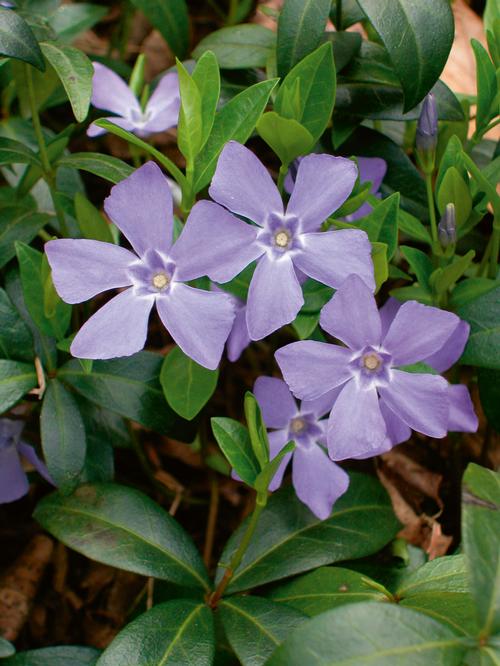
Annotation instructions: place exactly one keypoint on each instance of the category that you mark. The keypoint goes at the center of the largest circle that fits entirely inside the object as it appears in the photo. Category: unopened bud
(427, 131)
(8, 4)
(447, 228)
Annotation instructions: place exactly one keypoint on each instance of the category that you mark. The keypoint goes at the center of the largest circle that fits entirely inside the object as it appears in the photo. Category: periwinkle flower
(141, 207)
(317, 480)
(13, 481)
(447, 227)
(427, 125)
(111, 93)
(8, 4)
(379, 401)
(286, 244)
(239, 338)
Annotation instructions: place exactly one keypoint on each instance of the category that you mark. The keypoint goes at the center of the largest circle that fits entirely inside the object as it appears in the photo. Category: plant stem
(213, 510)
(432, 207)
(238, 556)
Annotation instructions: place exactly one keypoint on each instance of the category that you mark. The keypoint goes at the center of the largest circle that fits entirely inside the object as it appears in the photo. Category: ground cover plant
(249, 335)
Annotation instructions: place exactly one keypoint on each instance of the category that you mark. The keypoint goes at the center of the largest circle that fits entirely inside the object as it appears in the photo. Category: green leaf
(75, 72)
(481, 538)
(265, 477)
(6, 648)
(16, 379)
(187, 386)
(444, 278)
(489, 392)
(420, 265)
(345, 46)
(234, 441)
(92, 224)
(55, 656)
(417, 53)
(289, 539)
(16, 341)
(171, 19)
(105, 166)
(17, 39)
(368, 633)
(487, 86)
(453, 189)
(413, 228)
(63, 436)
(287, 138)
(189, 128)
(382, 223)
(483, 346)
(469, 290)
(254, 627)
(206, 76)
(239, 46)
(18, 224)
(165, 636)
(120, 526)
(127, 386)
(70, 20)
(256, 429)
(380, 264)
(31, 265)
(300, 28)
(314, 81)
(235, 121)
(15, 152)
(327, 588)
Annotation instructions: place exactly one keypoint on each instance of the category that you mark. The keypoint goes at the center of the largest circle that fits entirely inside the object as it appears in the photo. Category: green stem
(432, 207)
(233, 10)
(238, 556)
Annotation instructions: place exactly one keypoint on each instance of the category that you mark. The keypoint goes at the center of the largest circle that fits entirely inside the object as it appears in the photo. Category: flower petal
(141, 207)
(317, 480)
(277, 404)
(94, 130)
(110, 92)
(418, 331)
(352, 316)
(452, 349)
(119, 328)
(13, 481)
(31, 456)
(274, 297)
(387, 313)
(321, 406)
(239, 338)
(397, 430)
(331, 256)
(214, 243)
(82, 268)
(277, 441)
(243, 185)
(372, 169)
(163, 105)
(199, 321)
(420, 400)
(312, 368)
(461, 417)
(356, 428)
(322, 185)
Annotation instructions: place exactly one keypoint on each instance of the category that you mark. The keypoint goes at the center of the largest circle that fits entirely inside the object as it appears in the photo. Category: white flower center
(297, 425)
(161, 281)
(372, 361)
(282, 238)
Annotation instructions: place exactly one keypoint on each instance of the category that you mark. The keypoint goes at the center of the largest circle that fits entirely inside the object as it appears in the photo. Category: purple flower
(318, 481)
(110, 92)
(8, 4)
(239, 338)
(427, 126)
(285, 244)
(378, 402)
(13, 481)
(141, 207)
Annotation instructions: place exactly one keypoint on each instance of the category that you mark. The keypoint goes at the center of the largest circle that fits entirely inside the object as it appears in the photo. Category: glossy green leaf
(300, 28)
(16, 341)
(307, 93)
(417, 53)
(345, 46)
(368, 633)
(327, 588)
(380, 264)
(266, 475)
(481, 537)
(170, 634)
(444, 278)
(351, 13)
(92, 224)
(171, 19)
(15, 152)
(236, 120)
(489, 391)
(413, 228)
(75, 72)
(469, 289)
(18, 224)
(234, 441)
(63, 436)
(206, 76)
(288, 138)
(128, 386)
(256, 429)
(483, 315)
(120, 526)
(55, 656)
(70, 20)
(254, 627)
(105, 166)
(382, 223)
(16, 379)
(289, 539)
(239, 46)
(187, 386)
(420, 264)
(453, 189)
(189, 128)
(17, 39)
(487, 86)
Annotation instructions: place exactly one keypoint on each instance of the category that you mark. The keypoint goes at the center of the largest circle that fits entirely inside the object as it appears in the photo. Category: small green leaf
(206, 76)
(16, 341)
(265, 477)
(70, 20)
(234, 441)
(256, 429)
(443, 279)
(487, 86)
(15, 152)
(239, 46)
(105, 166)
(18, 224)
(285, 136)
(16, 379)
(92, 224)
(187, 386)
(171, 19)
(412, 227)
(380, 264)
(420, 265)
(18, 41)
(453, 189)
(189, 128)
(382, 223)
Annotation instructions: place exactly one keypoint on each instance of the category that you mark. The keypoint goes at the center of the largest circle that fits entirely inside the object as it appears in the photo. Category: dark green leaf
(63, 436)
(483, 314)
(254, 627)
(382, 223)
(187, 386)
(18, 224)
(345, 46)
(420, 264)
(55, 656)
(289, 539)
(489, 392)
(469, 290)
(417, 53)
(129, 386)
(16, 379)
(368, 633)
(239, 46)
(170, 634)
(16, 341)
(234, 441)
(15, 152)
(487, 86)
(122, 527)
(351, 13)
(17, 39)
(171, 19)
(70, 20)
(107, 167)
(287, 138)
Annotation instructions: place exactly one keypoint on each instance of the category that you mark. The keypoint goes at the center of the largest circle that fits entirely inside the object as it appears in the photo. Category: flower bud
(447, 229)
(8, 4)
(427, 131)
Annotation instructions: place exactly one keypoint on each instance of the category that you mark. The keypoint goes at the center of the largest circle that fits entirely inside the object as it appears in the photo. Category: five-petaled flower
(111, 93)
(317, 480)
(286, 244)
(141, 207)
(379, 400)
